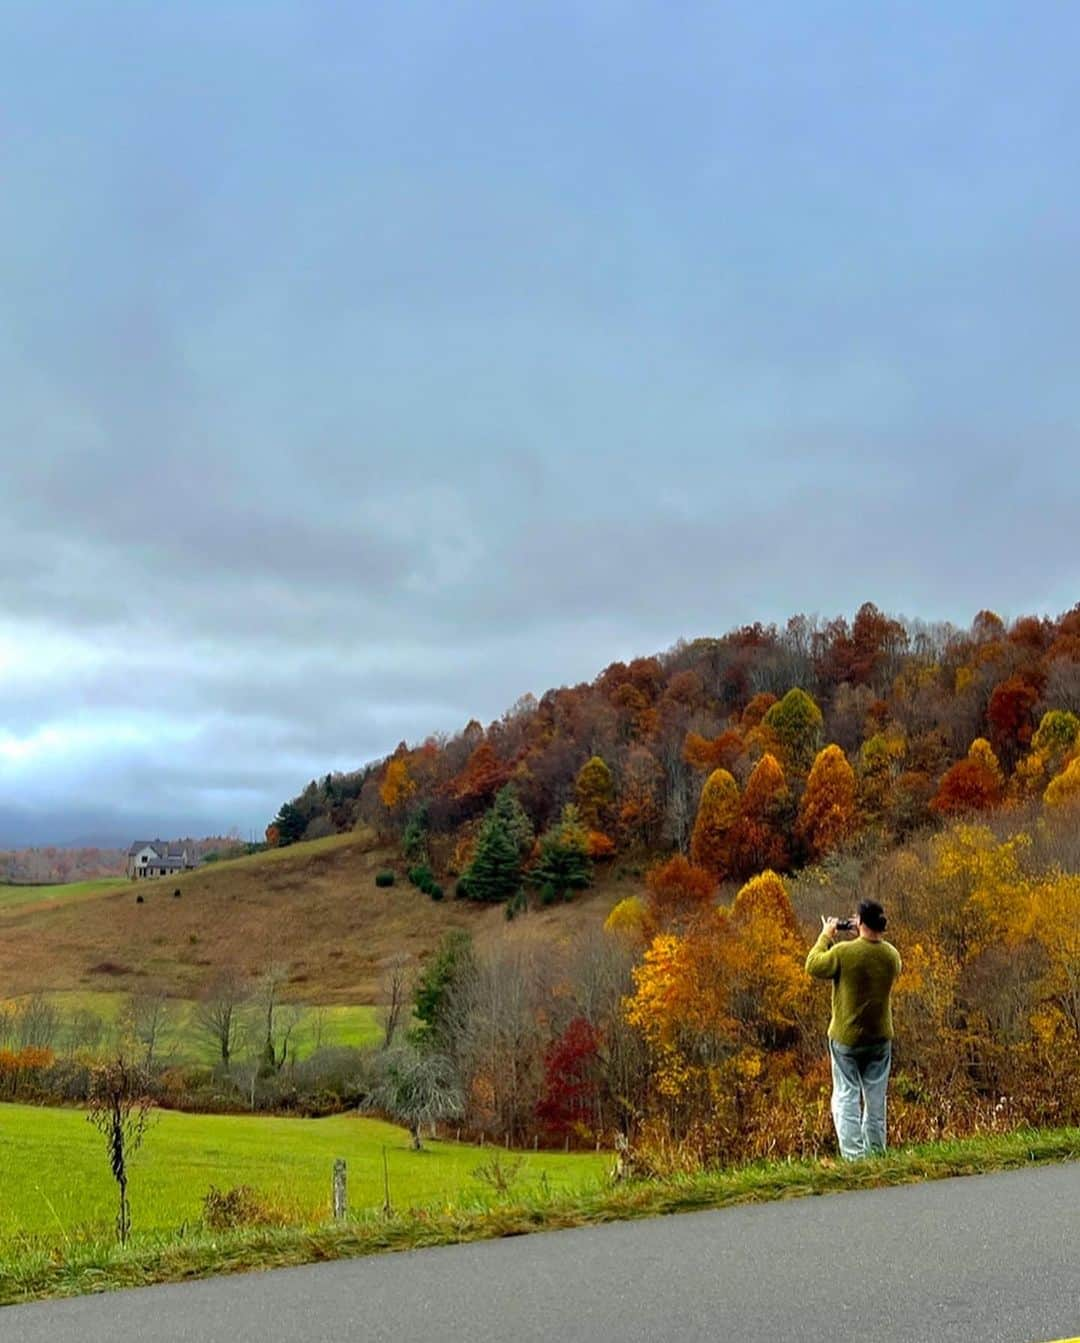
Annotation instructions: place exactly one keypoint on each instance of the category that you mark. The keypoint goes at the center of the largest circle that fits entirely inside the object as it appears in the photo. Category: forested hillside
(756, 782)
(798, 740)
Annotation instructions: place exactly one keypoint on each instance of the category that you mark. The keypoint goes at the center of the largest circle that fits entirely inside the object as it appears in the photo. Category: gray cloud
(362, 374)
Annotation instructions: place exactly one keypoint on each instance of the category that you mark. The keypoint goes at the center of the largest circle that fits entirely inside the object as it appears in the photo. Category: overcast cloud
(366, 366)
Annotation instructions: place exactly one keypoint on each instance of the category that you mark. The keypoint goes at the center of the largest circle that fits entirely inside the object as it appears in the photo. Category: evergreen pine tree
(564, 856)
(495, 871)
(510, 811)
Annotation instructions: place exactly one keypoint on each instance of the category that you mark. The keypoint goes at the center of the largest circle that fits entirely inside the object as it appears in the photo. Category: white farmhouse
(156, 858)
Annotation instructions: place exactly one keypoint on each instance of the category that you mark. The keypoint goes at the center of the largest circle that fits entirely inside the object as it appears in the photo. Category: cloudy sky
(365, 365)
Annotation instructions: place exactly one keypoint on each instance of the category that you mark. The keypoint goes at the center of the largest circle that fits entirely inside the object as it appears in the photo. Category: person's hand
(828, 927)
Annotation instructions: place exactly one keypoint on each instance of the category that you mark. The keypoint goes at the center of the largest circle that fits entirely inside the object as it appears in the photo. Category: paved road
(994, 1259)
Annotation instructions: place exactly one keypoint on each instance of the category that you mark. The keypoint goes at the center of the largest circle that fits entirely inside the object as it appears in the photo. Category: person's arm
(822, 962)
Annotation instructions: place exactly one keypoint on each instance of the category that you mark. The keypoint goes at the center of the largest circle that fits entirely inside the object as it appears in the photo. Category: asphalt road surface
(994, 1258)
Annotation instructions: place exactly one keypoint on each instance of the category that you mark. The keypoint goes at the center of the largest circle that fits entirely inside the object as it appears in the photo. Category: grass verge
(32, 1271)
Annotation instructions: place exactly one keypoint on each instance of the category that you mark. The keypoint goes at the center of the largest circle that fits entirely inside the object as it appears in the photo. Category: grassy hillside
(287, 1160)
(182, 1041)
(15, 896)
(314, 906)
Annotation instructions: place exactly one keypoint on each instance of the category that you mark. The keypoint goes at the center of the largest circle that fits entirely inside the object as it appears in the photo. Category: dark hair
(871, 913)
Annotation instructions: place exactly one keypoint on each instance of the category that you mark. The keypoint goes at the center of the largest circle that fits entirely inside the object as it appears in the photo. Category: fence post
(340, 1194)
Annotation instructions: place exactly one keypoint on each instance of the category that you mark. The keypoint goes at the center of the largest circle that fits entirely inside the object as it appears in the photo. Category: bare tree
(395, 993)
(218, 1013)
(120, 1106)
(85, 1031)
(144, 1021)
(497, 1035)
(277, 1020)
(319, 1018)
(37, 1022)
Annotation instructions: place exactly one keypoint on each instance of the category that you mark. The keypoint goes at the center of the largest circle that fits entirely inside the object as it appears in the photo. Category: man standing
(863, 972)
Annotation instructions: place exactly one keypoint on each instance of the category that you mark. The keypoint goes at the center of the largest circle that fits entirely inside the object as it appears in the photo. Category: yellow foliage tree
(765, 898)
(1064, 790)
(594, 790)
(629, 919)
(397, 785)
(718, 811)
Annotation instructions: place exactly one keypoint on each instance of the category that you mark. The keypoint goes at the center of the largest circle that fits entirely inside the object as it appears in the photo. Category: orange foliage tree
(827, 808)
(484, 774)
(973, 784)
(705, 754)
(758, 838)
(678, 891)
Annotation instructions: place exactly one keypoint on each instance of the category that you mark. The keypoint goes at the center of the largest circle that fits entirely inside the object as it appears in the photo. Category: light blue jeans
(860, 1078)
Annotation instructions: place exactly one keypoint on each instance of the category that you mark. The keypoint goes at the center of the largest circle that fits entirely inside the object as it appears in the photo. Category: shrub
(224, 1210)
(547, 893)
(435, 891)
(384, 878)
(422, 876)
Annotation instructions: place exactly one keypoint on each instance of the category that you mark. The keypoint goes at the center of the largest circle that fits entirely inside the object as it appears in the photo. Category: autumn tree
(570, 1100)
(880, 757)
(796, 722)
(678, 891)
(594, 790)
(629, 919)
(639, 801)
(758, 838)
(484, 774)
(756, 709)
(397, 785)
(1064, 790)
(1010, 714)
(1056, 735)
(717, 813)
(827, 809)
(973, 784)
(706, 754)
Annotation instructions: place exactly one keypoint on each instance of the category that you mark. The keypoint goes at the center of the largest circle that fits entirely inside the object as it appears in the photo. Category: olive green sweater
(862, 974)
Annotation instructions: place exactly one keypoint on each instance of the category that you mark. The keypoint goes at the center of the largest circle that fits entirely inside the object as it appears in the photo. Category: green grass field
(69, 893)
(56, 1182)
(183, 1042)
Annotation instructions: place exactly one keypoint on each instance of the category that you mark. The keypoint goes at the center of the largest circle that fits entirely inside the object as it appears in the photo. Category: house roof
(160, 848)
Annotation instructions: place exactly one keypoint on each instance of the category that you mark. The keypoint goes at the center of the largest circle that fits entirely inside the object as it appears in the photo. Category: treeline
(766, 748)
(47, 865)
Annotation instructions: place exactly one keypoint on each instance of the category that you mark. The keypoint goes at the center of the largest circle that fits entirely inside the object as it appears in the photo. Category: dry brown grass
(314, 907)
